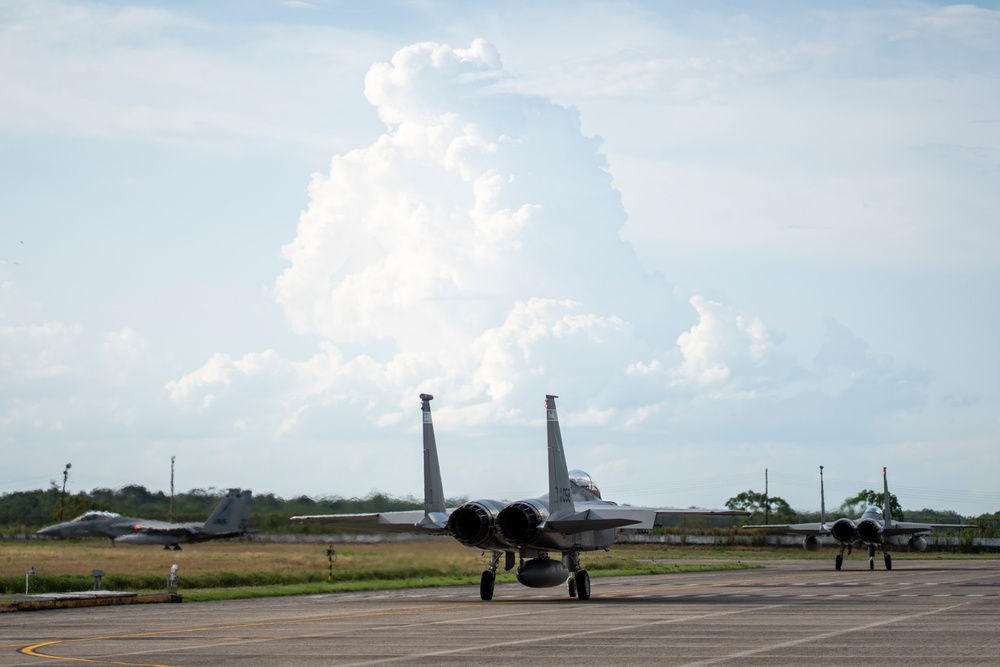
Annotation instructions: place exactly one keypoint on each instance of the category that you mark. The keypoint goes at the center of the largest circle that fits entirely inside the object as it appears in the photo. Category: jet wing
(792, 528)
(163, 529)
(615, 516)
(909, 528)
(407, 521)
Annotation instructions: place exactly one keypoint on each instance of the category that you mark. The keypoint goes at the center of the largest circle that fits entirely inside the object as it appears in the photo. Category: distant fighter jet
(231, 518)
(570, 519)
(873, 529)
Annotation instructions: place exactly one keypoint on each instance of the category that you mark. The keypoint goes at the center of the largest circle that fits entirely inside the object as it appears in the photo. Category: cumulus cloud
(720, 341)
(478, 237)
(473, 250)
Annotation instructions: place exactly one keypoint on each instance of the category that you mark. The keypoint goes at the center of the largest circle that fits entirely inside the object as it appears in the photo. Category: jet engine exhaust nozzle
(472, 523)
(870, 531)
(519, 522)
(843, 530)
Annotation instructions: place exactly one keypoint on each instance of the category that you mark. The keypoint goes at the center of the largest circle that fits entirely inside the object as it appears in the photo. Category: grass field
(215, 570)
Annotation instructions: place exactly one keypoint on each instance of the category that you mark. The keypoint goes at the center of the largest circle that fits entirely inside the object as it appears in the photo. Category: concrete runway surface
(936, 612)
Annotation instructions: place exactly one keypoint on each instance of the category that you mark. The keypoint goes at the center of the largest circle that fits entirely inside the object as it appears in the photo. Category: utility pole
(172, 458)
(62, 496)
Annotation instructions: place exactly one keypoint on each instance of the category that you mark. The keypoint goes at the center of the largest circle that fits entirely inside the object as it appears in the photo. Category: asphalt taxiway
(938, 612)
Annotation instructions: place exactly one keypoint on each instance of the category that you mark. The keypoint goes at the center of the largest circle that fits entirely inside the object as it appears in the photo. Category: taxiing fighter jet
(547, 534)
(874, 529)
(231, 518)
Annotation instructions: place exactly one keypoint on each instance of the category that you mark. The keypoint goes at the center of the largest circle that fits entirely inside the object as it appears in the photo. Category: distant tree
(758, 505)
(868, 498)
(74, 506)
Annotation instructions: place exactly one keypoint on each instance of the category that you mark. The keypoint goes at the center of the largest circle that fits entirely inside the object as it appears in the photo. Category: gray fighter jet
(231, 518)
(547, 534)
(874, 529)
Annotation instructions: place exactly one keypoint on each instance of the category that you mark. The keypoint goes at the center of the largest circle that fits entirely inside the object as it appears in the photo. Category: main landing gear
(840, 556)
(489, 578)
(579, 579)
(486, 584)
(872, 548)
(582, 581)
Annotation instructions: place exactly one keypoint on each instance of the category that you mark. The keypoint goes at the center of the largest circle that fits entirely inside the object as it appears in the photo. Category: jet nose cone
(51, 531)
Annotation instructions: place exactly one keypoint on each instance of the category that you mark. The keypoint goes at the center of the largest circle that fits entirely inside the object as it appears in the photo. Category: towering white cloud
(481, 224)
(473, 248)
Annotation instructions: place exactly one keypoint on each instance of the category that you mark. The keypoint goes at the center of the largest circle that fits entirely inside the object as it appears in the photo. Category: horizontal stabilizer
(592, 519)
(569, 526)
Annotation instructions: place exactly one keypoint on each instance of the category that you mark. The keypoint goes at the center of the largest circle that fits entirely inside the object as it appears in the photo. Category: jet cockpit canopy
(95, 515)
(583, 483)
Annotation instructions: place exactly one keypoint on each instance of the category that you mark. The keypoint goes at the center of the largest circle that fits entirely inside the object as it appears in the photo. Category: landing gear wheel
(486, 583)
(840, 561)
(572, 587)
(583, 585)
(888, 562)
(871, 563)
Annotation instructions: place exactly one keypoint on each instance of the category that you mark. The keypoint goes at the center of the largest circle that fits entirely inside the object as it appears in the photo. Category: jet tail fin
(560, 493)
(433, 487)
(886, 504)
(822, 499)
(232, 514)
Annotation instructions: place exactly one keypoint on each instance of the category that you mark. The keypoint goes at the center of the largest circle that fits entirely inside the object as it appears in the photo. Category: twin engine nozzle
(845, 530)
(488, 524)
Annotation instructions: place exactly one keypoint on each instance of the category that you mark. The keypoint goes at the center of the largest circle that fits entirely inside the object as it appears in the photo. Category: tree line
(26, 511)
(774, 509)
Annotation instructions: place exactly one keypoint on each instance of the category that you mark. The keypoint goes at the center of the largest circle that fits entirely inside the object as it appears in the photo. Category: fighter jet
(546, 534)
(874, 529)
(231, 518)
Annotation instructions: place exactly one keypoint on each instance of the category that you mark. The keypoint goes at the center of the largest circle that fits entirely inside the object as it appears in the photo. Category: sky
(737, 240)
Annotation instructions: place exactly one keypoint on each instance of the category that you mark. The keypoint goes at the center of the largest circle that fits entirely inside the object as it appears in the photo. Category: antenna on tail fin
(560, 493)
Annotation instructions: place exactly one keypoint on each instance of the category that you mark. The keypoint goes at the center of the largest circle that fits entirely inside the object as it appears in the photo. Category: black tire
(486, 584)
(583, 585)
(840, 562)
(888, 562)
(572, 587)
(871, 563)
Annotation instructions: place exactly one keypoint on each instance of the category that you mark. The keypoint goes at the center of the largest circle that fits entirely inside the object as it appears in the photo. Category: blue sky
(730, 237)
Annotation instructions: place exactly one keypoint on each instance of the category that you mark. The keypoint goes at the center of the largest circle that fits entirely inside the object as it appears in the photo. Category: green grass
(215, 571)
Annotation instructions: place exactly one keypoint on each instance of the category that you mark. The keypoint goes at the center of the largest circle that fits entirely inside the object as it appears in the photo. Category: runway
(786, 613)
